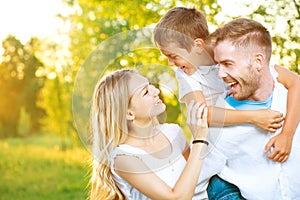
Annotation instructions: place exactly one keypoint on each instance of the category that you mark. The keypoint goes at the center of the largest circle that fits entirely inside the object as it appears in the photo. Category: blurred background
(45, 43)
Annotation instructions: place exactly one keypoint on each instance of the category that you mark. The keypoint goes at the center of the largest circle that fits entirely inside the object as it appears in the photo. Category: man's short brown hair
(245, 33)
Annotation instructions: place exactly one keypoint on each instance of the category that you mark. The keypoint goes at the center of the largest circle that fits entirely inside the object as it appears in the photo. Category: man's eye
(228, 64)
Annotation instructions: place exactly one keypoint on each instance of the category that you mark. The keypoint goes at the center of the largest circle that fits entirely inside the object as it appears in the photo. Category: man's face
(186, 61)
(237, 70)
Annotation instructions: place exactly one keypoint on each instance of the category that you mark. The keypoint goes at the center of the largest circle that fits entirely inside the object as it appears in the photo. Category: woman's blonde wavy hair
(109, 129)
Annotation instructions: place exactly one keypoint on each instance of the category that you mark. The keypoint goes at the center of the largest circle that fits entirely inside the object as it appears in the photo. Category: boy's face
(186, 61)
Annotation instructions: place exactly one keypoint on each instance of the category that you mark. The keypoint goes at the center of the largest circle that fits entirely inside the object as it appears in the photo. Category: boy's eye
(145, 92)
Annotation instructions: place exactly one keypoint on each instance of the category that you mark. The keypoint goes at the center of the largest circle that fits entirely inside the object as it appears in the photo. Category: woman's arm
(138, 175)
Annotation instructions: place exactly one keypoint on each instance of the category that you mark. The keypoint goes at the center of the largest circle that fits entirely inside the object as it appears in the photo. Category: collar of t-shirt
(205, 69)
(248, 104)
(201, 69)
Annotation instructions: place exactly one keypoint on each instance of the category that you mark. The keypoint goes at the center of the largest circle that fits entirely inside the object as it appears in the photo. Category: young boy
(182, 36)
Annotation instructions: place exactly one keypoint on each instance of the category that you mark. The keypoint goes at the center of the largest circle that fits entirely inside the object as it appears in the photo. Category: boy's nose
(222, 73)
(171, 62)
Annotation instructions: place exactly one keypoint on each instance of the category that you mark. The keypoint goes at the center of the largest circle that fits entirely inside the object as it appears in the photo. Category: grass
(36, 169)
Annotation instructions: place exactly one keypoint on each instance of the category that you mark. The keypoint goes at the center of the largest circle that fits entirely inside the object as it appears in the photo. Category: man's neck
(266, 86)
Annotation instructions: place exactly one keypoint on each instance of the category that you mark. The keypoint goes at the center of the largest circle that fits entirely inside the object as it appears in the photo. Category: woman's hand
(197, 120)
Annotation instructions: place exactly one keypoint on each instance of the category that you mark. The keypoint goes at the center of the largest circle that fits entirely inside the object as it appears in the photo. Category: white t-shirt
(238, 157)
(168, 169)
(204, 79)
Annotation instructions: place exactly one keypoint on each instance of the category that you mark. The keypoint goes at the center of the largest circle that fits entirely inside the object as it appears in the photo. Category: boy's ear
(199, 42)
(130, 116)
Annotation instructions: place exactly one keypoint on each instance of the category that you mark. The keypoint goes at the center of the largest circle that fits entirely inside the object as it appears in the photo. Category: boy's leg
(218, 189)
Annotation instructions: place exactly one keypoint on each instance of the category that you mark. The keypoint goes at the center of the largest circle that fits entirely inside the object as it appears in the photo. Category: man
(243, 51)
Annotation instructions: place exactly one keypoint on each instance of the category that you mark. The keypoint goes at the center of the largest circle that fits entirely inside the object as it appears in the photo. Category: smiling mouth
(182, 67)
(158, 102)
(232, 84)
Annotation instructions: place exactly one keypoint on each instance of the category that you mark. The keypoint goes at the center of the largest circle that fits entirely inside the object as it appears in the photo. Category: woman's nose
(155, 91)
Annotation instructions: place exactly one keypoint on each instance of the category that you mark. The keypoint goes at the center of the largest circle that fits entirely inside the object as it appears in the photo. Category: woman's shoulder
(171, 130)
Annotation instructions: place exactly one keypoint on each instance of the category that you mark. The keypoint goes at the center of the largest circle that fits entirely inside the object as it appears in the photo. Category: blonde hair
(181, 26)
(109, 128)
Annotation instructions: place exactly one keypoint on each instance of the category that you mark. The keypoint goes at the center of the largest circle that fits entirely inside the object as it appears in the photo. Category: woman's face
(145, 102)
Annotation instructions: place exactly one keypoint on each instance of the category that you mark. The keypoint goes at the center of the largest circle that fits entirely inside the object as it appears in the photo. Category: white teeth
(232, 83)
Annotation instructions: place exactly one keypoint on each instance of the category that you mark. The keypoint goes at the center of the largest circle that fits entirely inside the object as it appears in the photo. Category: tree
(19, 85)
(108, 35)
(282, 18)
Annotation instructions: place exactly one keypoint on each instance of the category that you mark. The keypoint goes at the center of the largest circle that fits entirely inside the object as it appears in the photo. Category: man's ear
(259, 61)
(130, 116)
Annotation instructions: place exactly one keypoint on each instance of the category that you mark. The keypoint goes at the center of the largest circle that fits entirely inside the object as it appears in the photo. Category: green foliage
(44, 172)
(109, 35)
(24, 123)
(19, 85)
(286, 17)
(282, 19)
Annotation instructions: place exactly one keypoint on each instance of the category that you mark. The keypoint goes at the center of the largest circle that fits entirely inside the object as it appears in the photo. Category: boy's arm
(265, 119)
(282, 142)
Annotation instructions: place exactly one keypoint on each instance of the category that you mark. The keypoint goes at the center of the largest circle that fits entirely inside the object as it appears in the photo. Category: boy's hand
(268, 120)
(197, 120)
(281, 145)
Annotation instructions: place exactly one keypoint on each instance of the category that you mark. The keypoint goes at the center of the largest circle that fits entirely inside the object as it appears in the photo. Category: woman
(135, 157)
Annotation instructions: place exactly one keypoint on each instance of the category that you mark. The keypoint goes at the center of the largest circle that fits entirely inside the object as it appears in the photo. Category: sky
(27, 18)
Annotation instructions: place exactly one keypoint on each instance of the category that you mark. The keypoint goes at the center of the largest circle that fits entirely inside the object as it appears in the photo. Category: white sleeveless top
(168, 169)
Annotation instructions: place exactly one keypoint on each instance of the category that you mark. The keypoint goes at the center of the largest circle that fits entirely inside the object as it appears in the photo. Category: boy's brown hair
(181, 26)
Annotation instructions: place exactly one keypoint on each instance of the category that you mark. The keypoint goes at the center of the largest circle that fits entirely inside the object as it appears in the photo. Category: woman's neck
(141, 133)
(149, 138)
